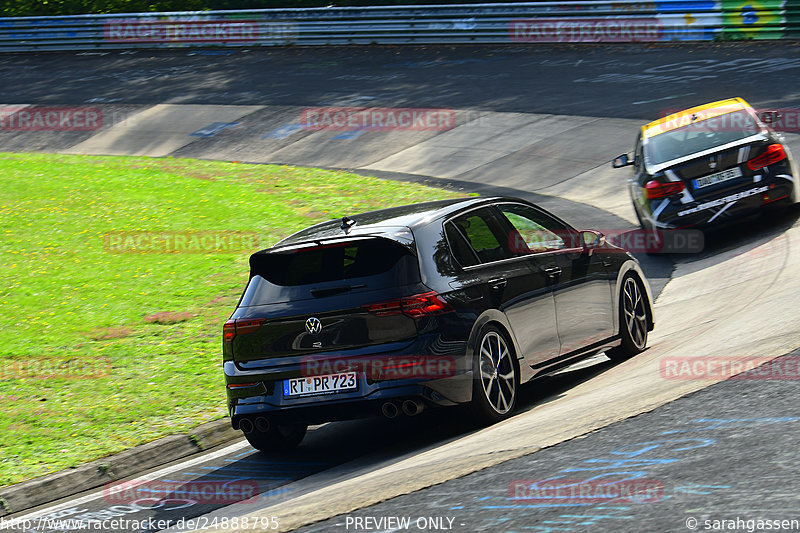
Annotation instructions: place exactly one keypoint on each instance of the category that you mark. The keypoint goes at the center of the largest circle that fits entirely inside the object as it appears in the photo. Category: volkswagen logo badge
(313, 325)
(712, 164)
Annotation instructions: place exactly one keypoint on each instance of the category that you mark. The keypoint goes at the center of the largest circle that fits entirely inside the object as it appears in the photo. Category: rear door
(509, 281)
(579, 280)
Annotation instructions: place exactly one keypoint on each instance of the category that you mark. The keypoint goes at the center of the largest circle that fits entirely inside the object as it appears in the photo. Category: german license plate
(320, 384)
(718, 177)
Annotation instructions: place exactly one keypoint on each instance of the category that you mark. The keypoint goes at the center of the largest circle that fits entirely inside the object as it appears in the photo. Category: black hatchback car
(708, 165)
(436, 304)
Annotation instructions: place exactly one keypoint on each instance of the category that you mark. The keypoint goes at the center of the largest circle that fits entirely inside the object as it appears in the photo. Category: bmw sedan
(708, 165)
(439, 304)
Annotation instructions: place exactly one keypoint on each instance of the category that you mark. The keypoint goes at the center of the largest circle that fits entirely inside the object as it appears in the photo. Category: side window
(483, 233)
(533, 231)
(459, 246)
(638, 156)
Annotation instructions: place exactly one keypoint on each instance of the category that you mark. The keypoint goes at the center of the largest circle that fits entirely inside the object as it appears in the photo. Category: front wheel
(496, 380)
(632, 320)
(278, 438)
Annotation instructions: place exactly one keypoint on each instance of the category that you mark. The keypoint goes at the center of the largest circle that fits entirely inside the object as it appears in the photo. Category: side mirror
(591, 239)
(770, 117)
(621, 161)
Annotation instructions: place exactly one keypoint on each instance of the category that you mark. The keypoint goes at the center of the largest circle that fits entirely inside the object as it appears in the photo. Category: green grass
(146, 325)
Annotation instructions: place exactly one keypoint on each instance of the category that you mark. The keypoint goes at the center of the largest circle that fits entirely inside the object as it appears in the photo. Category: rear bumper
(726, 207)
(266, 396)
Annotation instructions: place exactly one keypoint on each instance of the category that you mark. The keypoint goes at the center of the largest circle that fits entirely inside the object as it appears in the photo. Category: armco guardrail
(535, 22)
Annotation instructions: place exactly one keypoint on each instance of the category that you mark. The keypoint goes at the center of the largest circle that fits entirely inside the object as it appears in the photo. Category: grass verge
(105, 350)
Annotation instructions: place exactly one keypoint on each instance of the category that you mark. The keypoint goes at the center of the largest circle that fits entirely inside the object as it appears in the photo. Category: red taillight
(774, 153)
(429, 303)
(229, 331)
(241, 385)
(240, 326)
(656, 189)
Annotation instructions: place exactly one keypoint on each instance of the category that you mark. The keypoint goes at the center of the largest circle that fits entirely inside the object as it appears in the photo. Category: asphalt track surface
(697, 460)
(617, 82)
(622, 81)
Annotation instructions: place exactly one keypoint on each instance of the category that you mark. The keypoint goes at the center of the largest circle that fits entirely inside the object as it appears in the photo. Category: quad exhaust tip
(262, 424)
(407, 407)
(246, 425)
(249, 425)
(390, 410)
(413, 407)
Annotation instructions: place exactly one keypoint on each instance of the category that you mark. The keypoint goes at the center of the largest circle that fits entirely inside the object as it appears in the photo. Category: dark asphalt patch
(624, 81)
(723, 454)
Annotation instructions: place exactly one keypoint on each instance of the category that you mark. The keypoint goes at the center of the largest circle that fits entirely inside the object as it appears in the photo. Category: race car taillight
(240, 326)
(656, 189)
(774, 153)
(429, 303)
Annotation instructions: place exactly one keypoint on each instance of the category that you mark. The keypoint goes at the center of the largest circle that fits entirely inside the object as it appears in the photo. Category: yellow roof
(684, 118)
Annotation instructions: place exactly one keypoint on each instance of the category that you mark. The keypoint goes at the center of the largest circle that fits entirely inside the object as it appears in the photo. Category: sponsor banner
(754, 19)
(186, 31)
(381, 367)
(719, 368)
(690, 20)
(181, 242)
(688, 241)
(377, 119)
(585, 491)
(586, 30)
(30, 118)
(81, 367)
(199, 491)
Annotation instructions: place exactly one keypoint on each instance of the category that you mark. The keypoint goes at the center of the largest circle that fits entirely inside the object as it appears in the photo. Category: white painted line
(147, 477)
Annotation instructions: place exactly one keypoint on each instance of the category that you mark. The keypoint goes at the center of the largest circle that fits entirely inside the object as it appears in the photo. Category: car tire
(633, 315)
(639, 217)
(278, 438)
(495, 384)
(652, 235)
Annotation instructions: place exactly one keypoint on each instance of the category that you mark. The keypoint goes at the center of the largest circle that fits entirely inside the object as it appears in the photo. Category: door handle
(552, 271)
(497, 283)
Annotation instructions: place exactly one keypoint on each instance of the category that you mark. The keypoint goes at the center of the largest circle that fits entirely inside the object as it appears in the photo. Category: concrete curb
(52, 487)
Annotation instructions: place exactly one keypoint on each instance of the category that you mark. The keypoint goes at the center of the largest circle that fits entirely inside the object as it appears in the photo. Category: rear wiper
(330, 291)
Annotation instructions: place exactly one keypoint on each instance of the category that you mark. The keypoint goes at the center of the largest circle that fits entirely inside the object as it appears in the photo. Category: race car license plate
(718, 177)
(320, 384)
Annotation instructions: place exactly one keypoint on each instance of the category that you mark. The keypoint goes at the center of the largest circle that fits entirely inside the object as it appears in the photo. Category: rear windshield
(366, 264)
(699, 136)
